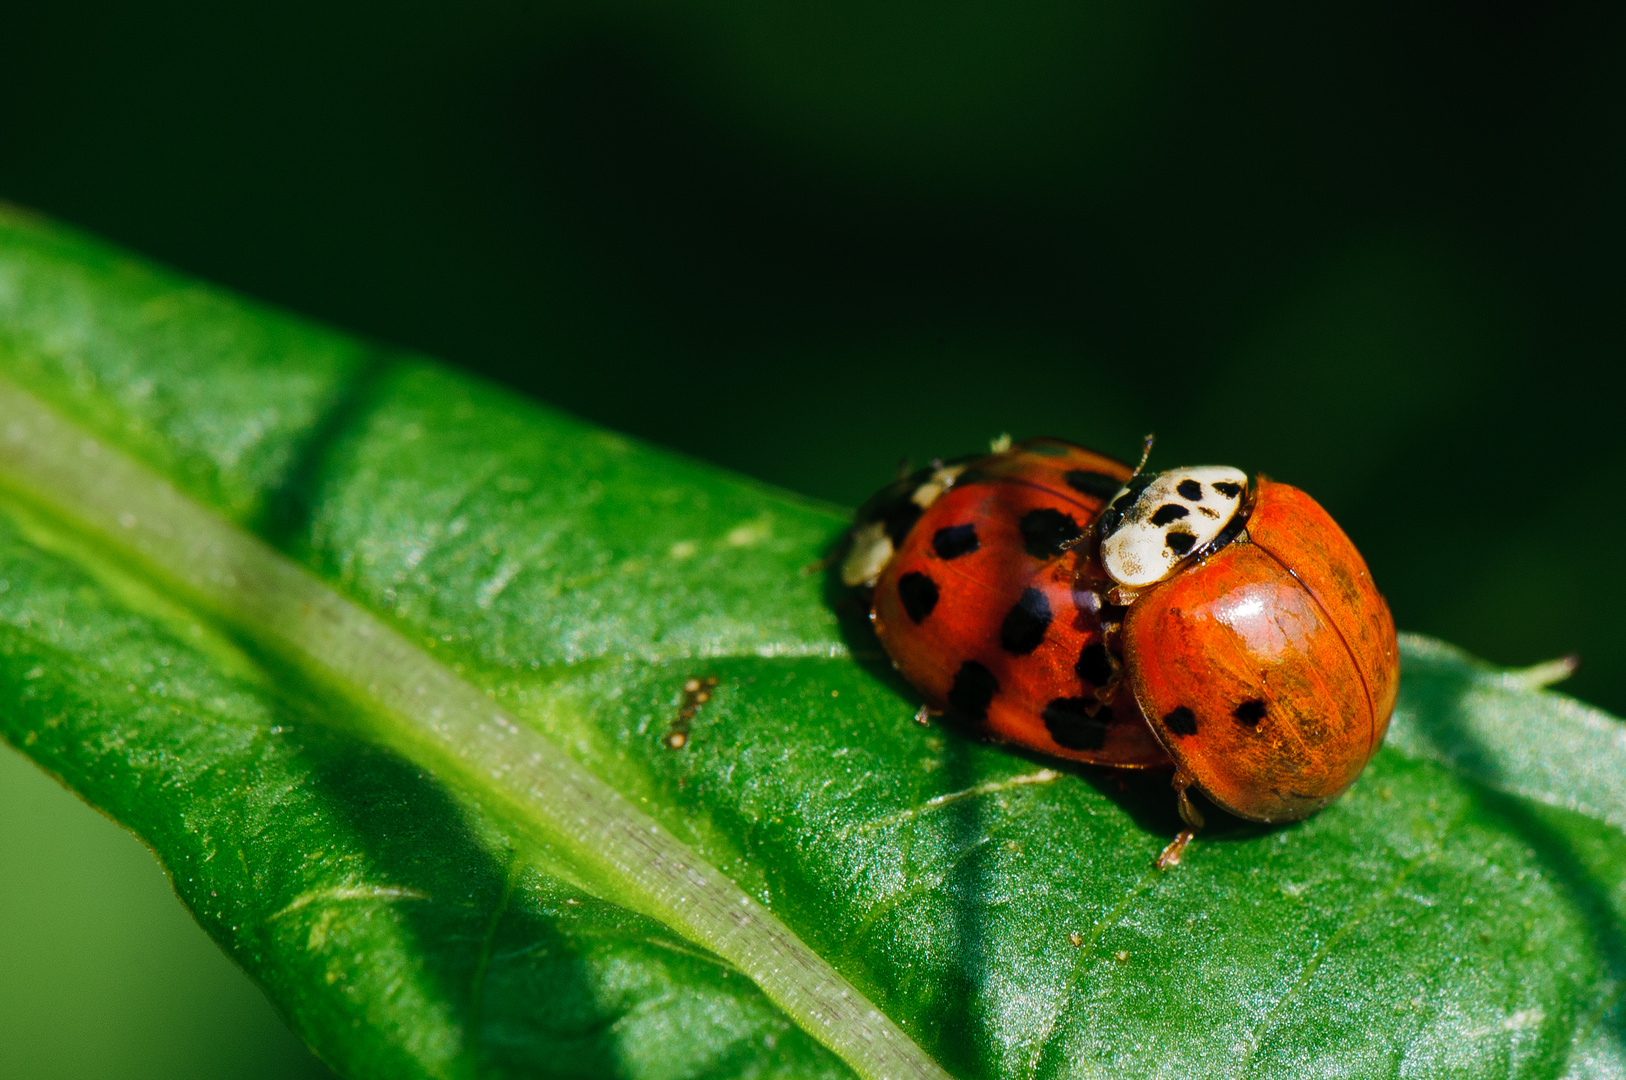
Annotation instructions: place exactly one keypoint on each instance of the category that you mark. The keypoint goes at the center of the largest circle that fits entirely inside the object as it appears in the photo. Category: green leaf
(382, 663)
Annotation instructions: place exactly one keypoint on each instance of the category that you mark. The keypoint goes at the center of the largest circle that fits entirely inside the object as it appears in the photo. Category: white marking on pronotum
(1150, 528)
(870, 547)
(871, 550)
(939, 481)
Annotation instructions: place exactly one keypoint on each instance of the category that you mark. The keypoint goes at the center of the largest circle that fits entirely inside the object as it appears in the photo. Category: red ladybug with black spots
(1194, 618)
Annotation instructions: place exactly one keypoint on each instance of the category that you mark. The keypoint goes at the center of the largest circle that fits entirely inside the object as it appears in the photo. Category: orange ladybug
(1191, 619)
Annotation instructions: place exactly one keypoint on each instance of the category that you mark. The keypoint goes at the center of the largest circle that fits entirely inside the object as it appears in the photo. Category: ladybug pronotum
(1193, 619)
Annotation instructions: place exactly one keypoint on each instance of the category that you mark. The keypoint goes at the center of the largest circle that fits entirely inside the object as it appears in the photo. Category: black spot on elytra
(898, 517)
(1071, 725)
(1094, 484)
(1169, 512)
(1249, 713)
(1228, 489)
(1094, 666)
(1190, 489)
(1047, 532)
(918, 593)
(1025, 624)
(953, 541)
(974, 687)
(1180, 542)
(1180, 721)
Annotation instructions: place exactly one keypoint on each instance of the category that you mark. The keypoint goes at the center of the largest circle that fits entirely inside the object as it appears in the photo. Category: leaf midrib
(418, 706)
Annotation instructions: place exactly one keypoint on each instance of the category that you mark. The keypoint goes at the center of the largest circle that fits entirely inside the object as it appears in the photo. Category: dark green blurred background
(1371, 249)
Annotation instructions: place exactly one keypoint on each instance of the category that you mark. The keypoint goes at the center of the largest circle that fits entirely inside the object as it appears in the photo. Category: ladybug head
(1159, 520)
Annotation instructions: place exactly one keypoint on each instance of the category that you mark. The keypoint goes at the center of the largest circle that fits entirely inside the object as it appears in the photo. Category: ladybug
(1191, 619)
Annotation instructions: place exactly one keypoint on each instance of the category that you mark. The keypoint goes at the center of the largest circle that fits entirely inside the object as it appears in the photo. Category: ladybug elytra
(1191, 619)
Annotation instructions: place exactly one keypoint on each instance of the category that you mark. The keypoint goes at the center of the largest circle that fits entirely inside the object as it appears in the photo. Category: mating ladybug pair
(1189, 619)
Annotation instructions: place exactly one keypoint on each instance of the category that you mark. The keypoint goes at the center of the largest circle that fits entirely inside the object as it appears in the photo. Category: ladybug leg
(924, 714)
(1188, 810)
(1170, 855)
(819, 566)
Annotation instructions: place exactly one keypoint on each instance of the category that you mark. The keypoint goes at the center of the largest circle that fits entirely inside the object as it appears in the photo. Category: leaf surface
(1458, 912)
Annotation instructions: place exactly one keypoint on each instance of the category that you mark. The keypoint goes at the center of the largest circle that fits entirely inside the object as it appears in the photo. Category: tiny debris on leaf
(696, 692)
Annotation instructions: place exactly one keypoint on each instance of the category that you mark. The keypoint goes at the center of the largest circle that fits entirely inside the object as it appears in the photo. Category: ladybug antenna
(1145, 452)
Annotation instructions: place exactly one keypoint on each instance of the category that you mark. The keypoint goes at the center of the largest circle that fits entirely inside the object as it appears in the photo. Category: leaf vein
(488, 943)
(991, 787)
(344, 893)
(1313, 963)
(1085, 949)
